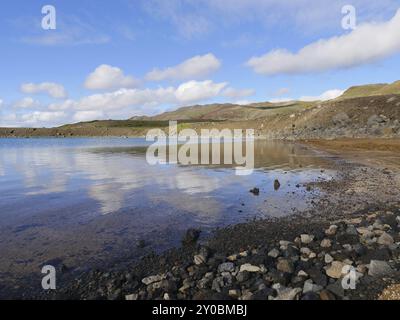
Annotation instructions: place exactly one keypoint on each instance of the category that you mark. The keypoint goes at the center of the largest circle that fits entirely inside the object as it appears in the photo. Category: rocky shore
(352, 259)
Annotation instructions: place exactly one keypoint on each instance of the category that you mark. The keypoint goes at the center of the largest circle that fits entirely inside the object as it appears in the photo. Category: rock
(335, 270)
(277, 185)
(310, 296)
(151, 279)
(379, 268)
(242, 276)
(233, 293)
(255, 191)
(191, 236)
(326, 295)
(328, 259)
(274, 253)
(326, 243)
(375, 120)
(286, 293)
(285, 265)
(226, 267)
(309, 286)
(336, 288)
(132, 297)
(385, 239)
(317, 276)
(247, 296)
(249, 268)
(340, 119)
(306, 238)
(331, 231)
(351, 230)
(232, 258)
(302, 273)
(199, 259)
(284, 244)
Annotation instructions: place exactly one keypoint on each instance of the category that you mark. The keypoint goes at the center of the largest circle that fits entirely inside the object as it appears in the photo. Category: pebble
(226, 267)
(385, 239)
(378, 268)
(326, 243)
(331, 231)
(152, 279)
(284, 265)
(249, 268)
(306, 238)
(274, 253)
(335, 270)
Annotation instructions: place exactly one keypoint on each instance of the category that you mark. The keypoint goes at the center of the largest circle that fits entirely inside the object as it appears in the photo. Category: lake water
(87, 202)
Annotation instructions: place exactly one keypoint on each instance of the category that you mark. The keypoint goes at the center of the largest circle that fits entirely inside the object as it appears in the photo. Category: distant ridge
(371, 90)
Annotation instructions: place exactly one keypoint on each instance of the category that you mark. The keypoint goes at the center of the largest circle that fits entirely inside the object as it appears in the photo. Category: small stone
(309, 286)
(242, 276)
(151, 279)
(379, 268)
(255, 191)
(284, 244)
(132, 297)
(233, 293)
(306, 238)
(277, 185)
(249, 268)
(331, 231)
(166, 297)
(328, 258)
(226, 267)
(199, 259)
(326, 243)
(274, 253)
(244, 253)
(247, 296)
(326, 295)
(232, 258)
(284, 265)
(385, 239)
(287, 293)
(335, 270)
(302, 273)
(351, 230)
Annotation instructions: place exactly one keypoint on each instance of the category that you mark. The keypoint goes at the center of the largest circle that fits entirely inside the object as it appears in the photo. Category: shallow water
(89, 201)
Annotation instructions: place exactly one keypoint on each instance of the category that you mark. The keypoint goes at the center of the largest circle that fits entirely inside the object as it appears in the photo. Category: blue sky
(116, 59)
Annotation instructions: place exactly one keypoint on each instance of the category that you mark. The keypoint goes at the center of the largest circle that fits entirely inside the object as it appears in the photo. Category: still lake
(88, 202)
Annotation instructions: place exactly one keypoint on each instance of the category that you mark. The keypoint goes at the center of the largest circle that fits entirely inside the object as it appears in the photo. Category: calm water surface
(88, 201)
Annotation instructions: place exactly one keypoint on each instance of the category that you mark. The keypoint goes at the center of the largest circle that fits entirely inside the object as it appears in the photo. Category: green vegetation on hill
(371, 90)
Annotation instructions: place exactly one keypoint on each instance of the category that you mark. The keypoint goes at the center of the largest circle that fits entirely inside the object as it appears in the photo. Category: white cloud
(368, 43)
(193, 68)
(188, 92)
(26, 103)
(87, 115)
(42, 116)
(327, 95)
(238, 93)
(108, 77)
(52, 89)
(193, 91)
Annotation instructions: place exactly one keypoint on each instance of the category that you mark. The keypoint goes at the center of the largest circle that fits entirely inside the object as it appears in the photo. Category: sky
(123, 58)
